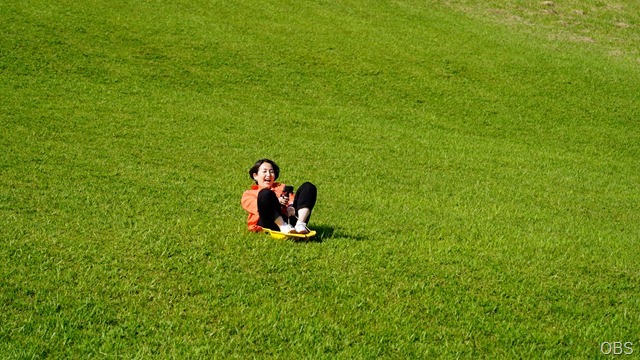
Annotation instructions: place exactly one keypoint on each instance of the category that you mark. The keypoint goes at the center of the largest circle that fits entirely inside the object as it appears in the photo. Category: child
(270, 207)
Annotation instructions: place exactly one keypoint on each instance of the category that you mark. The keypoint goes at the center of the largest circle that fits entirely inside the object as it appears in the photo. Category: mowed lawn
(477, 166)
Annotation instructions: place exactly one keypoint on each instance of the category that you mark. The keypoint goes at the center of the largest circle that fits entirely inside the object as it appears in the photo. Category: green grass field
(477, 166)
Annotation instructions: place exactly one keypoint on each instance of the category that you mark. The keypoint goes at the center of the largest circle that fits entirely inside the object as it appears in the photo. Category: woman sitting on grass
(270, 206)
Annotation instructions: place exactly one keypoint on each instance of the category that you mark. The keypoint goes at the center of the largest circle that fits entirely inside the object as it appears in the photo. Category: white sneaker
(286, 228)
(301, 228)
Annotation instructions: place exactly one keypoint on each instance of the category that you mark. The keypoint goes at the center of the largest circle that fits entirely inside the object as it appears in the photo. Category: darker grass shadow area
(330, 232)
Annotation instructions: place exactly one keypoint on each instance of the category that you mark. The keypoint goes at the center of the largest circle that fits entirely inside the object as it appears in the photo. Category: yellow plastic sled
(282, 236)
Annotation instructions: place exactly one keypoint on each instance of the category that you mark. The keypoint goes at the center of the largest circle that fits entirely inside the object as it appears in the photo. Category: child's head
(264, 171)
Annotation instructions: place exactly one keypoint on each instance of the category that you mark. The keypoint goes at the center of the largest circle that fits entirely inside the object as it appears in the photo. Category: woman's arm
(250, 202)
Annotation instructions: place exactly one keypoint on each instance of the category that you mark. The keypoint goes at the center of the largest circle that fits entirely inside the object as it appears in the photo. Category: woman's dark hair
(254, 169)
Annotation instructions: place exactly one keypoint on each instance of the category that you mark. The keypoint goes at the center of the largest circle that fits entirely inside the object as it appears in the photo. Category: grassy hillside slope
(478, 180)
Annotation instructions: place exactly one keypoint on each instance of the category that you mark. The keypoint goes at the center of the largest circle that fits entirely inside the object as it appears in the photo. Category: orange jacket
(250, 204)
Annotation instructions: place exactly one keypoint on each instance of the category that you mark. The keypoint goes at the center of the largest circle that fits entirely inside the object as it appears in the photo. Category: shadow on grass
(330, 232)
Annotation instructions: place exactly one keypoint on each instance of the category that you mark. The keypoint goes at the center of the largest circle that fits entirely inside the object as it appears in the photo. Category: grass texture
(477, 167)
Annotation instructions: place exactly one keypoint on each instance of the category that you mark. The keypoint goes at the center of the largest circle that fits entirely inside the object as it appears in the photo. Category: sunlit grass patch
(611, 27)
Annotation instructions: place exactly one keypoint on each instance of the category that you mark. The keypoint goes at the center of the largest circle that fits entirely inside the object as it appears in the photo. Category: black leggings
(269, 207)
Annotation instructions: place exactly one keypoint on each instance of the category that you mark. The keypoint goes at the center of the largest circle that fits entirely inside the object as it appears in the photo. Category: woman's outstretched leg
(304, 202)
